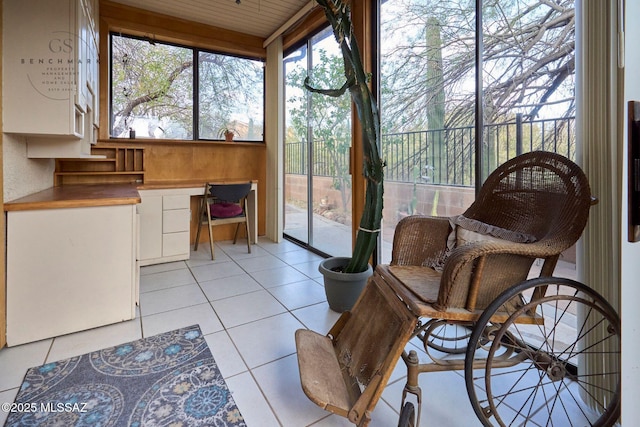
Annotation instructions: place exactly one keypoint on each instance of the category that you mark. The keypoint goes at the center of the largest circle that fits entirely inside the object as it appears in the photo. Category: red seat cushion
(224, 210)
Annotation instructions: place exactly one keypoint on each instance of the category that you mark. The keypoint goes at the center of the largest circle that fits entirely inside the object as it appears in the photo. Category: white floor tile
(260, 263)
(94, 339)
(251, 402)
(279, 276)
(171, 299)
(212, 271)
(318, 317)
(166, 279)
(14, 362)
(239, 250)
(159, 268)
(7, 396)
(201, 314)
(246, 308)
(232, 286)
(280, 382)
(203, 255)
(266, 340)
(226, 354)
(277, 248)
(382, 416)
(299, 256)
(299, 294)
(444, 400)
(309, 268)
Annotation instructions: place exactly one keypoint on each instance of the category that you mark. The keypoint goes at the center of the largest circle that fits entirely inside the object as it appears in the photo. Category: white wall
(23, 176)
(630, 254)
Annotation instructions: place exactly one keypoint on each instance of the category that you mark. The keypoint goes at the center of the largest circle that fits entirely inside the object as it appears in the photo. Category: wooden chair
(224, 204)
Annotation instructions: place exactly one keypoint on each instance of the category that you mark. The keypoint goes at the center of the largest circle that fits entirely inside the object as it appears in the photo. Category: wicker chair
(469, 272)
(534, 206)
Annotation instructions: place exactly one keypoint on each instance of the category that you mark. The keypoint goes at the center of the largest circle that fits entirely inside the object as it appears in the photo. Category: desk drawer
(175, 243)
(175, 201)
(176, 220)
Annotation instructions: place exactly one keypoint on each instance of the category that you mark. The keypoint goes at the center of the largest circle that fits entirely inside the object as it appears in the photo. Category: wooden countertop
(77, 196)
(157, 185)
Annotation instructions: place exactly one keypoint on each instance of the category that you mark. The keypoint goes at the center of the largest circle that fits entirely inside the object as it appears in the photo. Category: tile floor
(248, 306)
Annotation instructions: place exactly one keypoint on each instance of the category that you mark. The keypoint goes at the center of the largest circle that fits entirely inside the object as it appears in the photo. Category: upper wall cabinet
(50, 56)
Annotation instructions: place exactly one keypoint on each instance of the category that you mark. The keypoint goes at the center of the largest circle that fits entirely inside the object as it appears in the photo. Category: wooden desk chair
(224, 204)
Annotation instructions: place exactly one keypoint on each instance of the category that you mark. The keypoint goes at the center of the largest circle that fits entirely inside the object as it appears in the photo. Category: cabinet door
(39, 67)
(150, 211)
(175, 201)
(175, 244)
(69, 270)
(176, 220)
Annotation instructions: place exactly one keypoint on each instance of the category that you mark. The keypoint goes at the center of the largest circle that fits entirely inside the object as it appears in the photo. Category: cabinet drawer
(175, 243)
(175, 201)
(176, 220)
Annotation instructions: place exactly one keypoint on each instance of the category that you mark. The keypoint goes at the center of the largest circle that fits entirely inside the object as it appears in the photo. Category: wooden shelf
(121, 164)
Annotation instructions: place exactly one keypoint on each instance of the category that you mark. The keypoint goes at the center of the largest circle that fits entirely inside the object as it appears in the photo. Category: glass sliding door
(317, 143)
(465, 86)
(296, 164)
(428, 71)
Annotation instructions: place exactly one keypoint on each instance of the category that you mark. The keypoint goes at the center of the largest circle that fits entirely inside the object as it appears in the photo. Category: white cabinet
(165, 221)
(50, 75)
(69, 269)
(150, 211)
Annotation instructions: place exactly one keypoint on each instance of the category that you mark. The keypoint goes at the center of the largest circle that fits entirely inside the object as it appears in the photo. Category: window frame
(195, 96)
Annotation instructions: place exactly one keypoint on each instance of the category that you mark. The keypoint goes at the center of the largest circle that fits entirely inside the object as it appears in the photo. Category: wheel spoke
(541, 386)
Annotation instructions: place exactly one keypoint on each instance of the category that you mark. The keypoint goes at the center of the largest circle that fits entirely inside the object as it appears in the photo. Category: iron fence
(443, 156)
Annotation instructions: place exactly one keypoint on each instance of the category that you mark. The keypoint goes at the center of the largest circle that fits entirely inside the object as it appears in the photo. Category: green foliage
(328, 117)
(154, 82)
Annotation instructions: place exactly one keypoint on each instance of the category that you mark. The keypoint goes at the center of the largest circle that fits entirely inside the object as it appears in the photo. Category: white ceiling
(259, 18)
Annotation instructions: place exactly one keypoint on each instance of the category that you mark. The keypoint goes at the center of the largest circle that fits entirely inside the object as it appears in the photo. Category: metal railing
(444, 156)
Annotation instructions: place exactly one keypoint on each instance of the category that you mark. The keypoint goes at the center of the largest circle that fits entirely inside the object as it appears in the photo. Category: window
(165, 91)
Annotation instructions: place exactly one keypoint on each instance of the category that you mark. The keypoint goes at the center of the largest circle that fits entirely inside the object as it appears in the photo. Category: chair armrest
(468, 253)
(420, 240)
(505, 264)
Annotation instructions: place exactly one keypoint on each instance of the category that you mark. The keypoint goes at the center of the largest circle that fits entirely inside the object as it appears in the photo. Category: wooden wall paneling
(206, 162)
(123, 18)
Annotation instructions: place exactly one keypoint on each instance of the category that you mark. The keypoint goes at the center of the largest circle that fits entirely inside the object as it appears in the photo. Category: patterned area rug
(168, 379)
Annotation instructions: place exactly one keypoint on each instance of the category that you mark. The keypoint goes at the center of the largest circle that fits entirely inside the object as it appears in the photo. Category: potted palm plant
(357, 83)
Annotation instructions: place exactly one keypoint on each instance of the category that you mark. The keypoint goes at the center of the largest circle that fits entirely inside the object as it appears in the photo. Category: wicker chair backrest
(540, 193)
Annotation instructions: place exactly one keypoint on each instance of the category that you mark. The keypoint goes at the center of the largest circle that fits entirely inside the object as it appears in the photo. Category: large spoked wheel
(448, 337)
(546, 352)
(407, 416)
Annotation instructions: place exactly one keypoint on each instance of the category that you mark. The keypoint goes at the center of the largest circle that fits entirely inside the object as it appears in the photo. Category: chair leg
(211, 241)
(246, 223)
(235, 236)
(199, 219)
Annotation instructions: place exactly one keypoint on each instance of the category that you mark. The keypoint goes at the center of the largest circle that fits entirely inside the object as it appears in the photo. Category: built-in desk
(165, 219)
(73, 252)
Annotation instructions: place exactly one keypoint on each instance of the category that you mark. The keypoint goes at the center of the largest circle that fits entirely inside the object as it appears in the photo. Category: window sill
(179, 142)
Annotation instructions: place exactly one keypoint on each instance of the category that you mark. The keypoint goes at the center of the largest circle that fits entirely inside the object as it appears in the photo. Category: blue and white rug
(168, 379)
